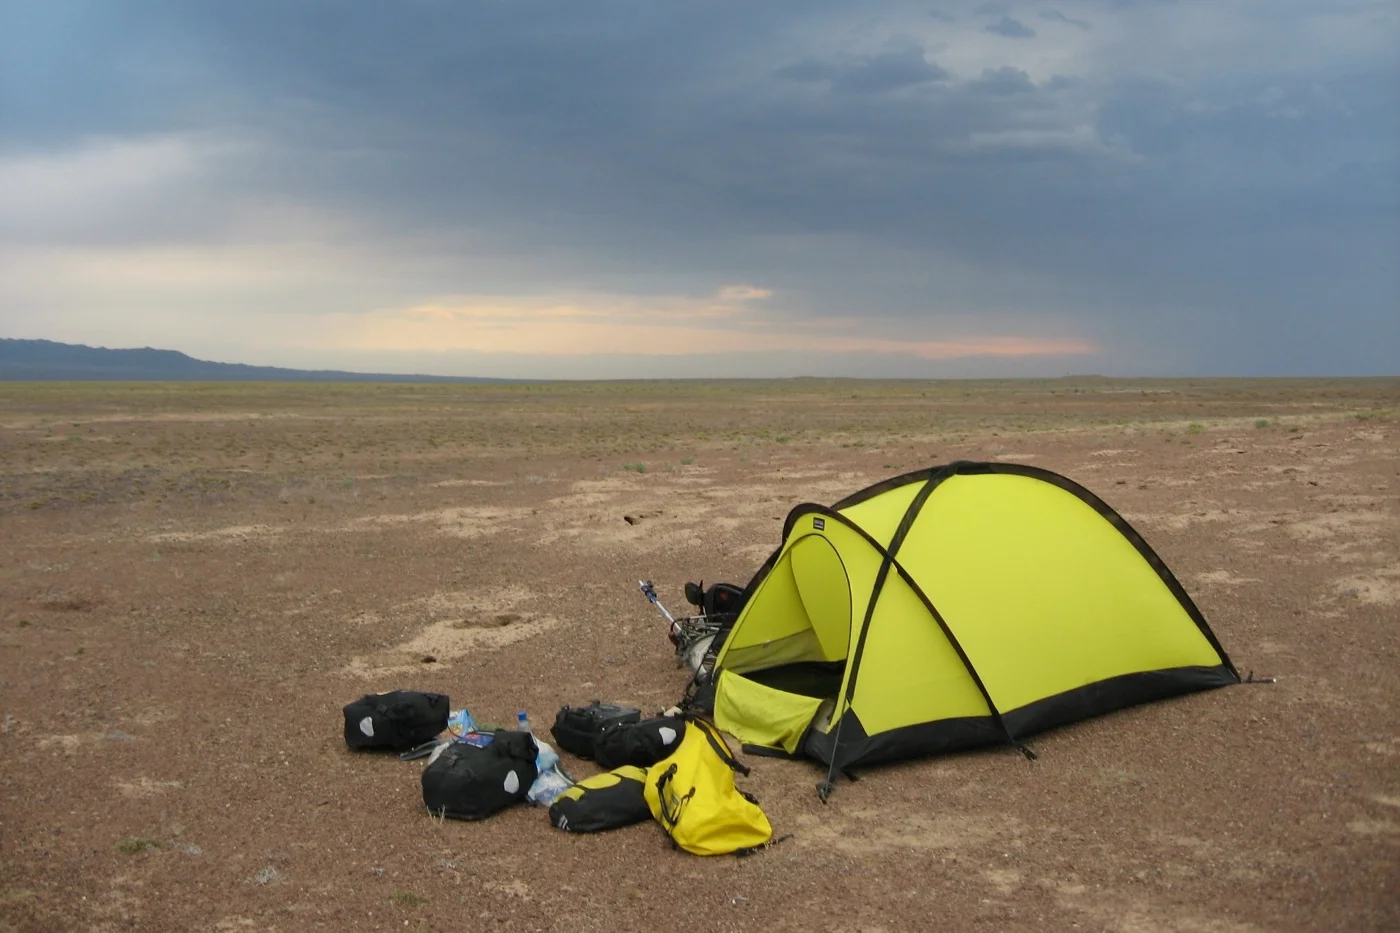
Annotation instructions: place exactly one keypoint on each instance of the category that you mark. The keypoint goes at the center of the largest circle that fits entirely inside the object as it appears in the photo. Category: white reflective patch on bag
(367, 726)
(668, 735)
(512, 782)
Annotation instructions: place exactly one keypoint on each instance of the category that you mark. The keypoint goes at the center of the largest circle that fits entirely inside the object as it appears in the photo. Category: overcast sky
(562, 189)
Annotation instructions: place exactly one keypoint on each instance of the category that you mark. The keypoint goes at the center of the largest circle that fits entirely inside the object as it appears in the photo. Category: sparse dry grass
(93, 443)
(135, 845)
(195, 578)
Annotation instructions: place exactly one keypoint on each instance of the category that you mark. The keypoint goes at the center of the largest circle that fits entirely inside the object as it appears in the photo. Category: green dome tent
(950, 607)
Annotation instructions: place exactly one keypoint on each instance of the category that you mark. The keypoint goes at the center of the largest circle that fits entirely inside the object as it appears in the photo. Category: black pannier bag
(467, 782)
(642, 744)
(398, 720)
(724, 599)
(719, 599)
(576, 728)
(603, 801)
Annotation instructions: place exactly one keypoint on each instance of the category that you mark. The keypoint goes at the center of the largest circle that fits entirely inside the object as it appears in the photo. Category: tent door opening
(775, 705)
(825, 592)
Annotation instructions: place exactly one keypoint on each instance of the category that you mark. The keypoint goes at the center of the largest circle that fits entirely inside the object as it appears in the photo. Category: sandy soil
(194, 580)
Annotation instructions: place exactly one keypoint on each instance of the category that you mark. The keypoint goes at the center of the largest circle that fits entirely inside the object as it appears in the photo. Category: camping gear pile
(951, 607)
(675, 769)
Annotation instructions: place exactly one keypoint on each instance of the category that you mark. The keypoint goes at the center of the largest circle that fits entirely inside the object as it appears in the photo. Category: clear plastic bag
(552, 780)
(548, 786)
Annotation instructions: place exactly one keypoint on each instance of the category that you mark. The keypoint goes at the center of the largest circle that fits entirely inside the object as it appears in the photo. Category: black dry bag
(603, 801)
(576, 728)
(398, 720)
(642, 744)
(467, 782)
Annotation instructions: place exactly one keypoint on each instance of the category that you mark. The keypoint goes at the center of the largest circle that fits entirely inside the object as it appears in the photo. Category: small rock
(266, 876)
(429, 659)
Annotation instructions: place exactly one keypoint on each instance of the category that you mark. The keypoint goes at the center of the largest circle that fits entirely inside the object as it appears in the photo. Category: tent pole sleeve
(891, 560)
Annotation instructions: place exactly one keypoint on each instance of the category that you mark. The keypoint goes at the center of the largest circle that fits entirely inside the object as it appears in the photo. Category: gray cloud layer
(1200, 188)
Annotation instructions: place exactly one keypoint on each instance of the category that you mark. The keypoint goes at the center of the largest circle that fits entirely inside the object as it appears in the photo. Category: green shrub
(135, 845)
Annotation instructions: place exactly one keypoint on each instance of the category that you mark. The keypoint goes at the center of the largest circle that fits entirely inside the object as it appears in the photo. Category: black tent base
(857, 748)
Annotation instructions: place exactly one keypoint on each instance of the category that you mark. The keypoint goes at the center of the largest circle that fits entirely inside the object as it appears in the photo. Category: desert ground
(194, 579)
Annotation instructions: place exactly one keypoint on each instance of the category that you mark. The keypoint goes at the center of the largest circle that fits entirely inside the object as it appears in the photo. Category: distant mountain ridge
(47, 360)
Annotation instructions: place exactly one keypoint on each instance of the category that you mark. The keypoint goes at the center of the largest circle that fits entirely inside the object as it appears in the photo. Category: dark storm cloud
(871, 74)
(1002, 82)
(1055, 16)
(1010, 28)
(787, 145)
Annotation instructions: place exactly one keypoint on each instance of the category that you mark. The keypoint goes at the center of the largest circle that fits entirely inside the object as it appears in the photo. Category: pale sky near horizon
(558, 189)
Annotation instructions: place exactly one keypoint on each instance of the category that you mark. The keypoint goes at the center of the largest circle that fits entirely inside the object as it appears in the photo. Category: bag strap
(669, 818)
(718, 744)
(743, 853)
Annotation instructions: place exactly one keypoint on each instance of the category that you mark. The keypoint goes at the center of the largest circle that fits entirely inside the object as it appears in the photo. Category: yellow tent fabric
(963, 604)
(764, 716)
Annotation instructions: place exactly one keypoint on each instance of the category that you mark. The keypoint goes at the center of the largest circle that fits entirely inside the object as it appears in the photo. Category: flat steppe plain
(195, 578)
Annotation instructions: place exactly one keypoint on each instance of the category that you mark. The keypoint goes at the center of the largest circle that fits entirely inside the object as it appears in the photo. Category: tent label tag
(819, 524)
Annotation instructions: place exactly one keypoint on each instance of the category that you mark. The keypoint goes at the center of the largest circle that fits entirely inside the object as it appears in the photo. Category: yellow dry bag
(692, 795)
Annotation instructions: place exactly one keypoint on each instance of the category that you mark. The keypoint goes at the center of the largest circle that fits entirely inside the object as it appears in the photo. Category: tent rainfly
(955, 606)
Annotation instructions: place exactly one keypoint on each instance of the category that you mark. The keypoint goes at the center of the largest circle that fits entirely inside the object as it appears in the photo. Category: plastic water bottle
(522, 722)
